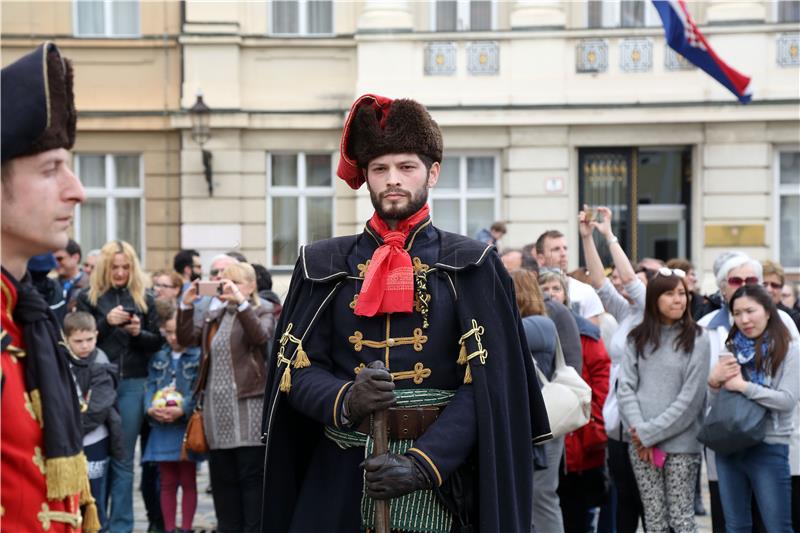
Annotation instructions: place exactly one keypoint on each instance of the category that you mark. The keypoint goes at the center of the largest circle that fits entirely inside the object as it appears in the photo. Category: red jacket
(586, 447)
(23, 488)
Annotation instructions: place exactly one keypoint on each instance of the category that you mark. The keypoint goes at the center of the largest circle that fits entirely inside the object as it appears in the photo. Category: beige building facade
(544, 105)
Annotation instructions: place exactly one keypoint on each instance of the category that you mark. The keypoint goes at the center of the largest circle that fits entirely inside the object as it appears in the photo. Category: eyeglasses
(664, 271)
(162, 286)
(215, 271)
(736, 281)
(774, 284)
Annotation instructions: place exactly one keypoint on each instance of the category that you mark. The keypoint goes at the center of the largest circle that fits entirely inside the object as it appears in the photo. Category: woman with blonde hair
(230, 387)
(128, 332)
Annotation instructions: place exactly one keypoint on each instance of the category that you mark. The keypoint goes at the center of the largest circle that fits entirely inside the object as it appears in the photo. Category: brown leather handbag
(194, 440)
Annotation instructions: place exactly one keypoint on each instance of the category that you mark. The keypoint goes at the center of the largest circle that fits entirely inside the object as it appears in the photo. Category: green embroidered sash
(419, 511)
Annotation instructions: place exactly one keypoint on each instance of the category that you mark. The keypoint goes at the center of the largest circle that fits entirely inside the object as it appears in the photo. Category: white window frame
(781, 190)
(462, 16)
(464, 193)
(108, 22)
(302, 25)
(301, 192)
(111, 193)
(612, 15)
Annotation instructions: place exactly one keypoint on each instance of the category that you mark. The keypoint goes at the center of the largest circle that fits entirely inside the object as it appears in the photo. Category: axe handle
(381, 437)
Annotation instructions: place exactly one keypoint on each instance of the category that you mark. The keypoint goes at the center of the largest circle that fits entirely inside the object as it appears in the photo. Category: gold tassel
(286, 380)
(301, 358)
(468, 374)
(64, 476)
(91, 520)
(462, 355)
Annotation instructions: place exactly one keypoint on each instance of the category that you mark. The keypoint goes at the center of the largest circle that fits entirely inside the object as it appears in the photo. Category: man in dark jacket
(407, 317)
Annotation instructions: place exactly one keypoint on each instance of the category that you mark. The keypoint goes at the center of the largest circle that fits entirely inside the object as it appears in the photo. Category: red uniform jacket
(24, 506)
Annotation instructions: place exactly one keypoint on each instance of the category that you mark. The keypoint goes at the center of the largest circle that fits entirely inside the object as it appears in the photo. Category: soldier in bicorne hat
(409, 318)
(43, 478)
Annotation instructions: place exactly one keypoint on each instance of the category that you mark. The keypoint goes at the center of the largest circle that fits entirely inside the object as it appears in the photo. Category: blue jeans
(130, 401)
(97, 456)
(762, 470)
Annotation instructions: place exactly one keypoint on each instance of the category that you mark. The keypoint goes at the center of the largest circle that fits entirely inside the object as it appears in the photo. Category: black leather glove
(391, 475)
(373, 390)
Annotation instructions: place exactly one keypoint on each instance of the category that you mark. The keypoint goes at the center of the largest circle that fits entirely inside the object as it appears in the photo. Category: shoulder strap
(205, 365)
(560, 361)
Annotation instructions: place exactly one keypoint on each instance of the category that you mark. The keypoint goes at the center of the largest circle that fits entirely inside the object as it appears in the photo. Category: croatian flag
(684, 37)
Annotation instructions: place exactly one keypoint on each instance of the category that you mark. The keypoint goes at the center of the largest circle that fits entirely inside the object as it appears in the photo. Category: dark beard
(396, 214)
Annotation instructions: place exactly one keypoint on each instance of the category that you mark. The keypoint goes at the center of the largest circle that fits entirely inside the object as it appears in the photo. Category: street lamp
(200, 115)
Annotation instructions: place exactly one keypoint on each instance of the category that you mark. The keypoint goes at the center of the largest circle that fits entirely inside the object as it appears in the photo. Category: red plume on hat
(376, 126)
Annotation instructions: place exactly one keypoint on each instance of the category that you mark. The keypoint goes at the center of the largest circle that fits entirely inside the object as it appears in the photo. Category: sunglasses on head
(773, 284)
(736, 281)
(664, 271)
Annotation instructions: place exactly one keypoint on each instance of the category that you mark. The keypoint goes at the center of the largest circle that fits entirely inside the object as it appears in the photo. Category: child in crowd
(96, 384)
(169, 402)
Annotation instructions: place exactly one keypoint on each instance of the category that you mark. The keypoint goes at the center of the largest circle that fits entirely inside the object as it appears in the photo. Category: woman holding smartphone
(128, 332)
(661, 394)
(231, 384)
(761, 347)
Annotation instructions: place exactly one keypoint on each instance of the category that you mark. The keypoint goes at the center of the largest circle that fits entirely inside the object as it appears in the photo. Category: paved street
(205, 521)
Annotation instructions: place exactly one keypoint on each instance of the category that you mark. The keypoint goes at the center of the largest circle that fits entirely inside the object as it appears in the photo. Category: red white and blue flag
(684, 37)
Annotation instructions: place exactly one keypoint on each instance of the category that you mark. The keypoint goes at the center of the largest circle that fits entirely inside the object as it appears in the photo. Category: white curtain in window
(90, 17)
(320, 218)
(285, 16)
(93, 223)
(129, 222)
(284, 170)
(92, 170)
(127, 170)
(318, 170)
(480, 214)
(320, 16)
(284, 230)
(788, 10)
(632, 13)
(125, 17)
(447, 214)
(480, 173)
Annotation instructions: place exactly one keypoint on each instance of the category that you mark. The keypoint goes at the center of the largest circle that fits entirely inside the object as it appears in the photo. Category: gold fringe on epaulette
(91, 520)
(286, 380)
(65, 476)
(301, 358)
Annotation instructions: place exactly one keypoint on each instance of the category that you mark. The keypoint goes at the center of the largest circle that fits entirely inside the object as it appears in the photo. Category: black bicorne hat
(38, 105)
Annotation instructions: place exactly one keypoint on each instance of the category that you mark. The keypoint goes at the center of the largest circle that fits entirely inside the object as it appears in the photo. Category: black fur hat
(38, 105)
(380, 126)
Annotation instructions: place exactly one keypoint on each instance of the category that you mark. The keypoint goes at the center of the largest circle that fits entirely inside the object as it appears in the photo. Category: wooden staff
(380, 436)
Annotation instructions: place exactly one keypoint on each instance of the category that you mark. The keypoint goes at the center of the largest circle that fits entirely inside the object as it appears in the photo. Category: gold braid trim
(65, 476)
(358, 341)
(36, 405)
(298, 360)
(46, 517)
(464, 357)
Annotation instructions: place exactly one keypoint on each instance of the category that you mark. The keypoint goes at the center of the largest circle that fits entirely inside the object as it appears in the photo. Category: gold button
(390, 342)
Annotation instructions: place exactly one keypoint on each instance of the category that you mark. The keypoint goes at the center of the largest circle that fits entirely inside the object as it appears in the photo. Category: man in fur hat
(409, 318)
(43, 468)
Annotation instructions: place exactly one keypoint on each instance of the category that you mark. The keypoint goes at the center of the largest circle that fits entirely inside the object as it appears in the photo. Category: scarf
(48, 378)
(389, 281)
(745, 350)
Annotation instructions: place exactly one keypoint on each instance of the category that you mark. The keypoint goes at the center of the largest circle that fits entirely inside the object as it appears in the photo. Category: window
(302, 17)
(299, 204)
(648, 191)
(106, 18)
(789, 209)
(788, 10)
(465, 199)
(113, 207)
(462, 15)
(621, 14)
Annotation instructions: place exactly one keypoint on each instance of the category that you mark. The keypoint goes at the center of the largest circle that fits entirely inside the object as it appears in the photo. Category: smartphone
(659, 457)
(129, 310)
(724, 355)
(208, 288)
